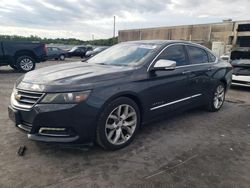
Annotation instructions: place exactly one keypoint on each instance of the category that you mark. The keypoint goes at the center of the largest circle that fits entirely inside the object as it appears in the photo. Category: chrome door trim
(190, 65)
(177, 101)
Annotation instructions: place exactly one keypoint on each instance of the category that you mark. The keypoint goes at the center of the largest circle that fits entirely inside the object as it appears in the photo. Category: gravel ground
(192, 149)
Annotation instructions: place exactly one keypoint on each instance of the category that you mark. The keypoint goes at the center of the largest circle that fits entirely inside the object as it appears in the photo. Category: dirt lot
(192, 149)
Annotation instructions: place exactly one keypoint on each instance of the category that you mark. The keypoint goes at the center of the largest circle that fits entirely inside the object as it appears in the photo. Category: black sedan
(108, 98)
(79, 51)
(95, 51)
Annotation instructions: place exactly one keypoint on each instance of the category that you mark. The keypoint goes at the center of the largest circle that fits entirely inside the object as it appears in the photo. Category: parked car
(95, 51)
(241, 72)
(22, 56)
(240, 60)
(225, 57)
(108, 98)
(56, 53)
(79, 51)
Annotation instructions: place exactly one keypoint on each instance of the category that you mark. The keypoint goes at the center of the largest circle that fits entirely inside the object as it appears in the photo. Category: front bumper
(59, 123)
(240, 80)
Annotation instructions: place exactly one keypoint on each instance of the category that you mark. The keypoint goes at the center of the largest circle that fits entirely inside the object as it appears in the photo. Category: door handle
(186, 72)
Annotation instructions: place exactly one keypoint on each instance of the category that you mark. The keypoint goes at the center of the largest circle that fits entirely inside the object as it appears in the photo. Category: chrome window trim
(153, 61)
(177, 101)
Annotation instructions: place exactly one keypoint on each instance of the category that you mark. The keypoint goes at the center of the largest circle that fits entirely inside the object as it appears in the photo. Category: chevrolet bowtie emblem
(17, 96)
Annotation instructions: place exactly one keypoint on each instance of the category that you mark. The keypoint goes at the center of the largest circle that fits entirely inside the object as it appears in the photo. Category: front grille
(241, 82)
(26, 99)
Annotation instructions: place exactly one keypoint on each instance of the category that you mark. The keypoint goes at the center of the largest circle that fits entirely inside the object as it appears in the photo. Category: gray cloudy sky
(82, 18)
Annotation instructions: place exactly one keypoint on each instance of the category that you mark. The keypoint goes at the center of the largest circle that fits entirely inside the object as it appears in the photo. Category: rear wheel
(217, 99)
(25, 63)
(118, 124)
(62, 57)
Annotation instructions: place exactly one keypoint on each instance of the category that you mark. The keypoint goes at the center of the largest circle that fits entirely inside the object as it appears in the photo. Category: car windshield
(124, 54)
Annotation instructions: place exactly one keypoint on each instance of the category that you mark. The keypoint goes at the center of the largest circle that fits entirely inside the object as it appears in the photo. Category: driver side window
(175, 53)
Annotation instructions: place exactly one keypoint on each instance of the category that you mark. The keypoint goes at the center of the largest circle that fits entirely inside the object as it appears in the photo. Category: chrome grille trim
(25, 99)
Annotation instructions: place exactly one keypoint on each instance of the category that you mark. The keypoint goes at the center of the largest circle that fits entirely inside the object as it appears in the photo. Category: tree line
(70, 41)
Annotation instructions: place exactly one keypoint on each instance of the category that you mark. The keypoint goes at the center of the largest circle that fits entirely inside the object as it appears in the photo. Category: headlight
(62, 98)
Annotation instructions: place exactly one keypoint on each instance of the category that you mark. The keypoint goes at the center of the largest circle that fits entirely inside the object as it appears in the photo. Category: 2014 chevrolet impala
(109, 97)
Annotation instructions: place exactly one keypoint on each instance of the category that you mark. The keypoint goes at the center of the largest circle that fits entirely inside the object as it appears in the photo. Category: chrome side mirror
(163, 64)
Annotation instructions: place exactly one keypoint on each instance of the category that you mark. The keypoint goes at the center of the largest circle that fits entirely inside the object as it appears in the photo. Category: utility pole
(114, 32)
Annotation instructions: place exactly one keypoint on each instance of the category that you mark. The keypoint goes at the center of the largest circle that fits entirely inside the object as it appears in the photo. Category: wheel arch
(24, 52)
(224, 82)
(131, 95)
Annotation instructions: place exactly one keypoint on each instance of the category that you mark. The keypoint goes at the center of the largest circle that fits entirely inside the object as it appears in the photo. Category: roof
(160, 42)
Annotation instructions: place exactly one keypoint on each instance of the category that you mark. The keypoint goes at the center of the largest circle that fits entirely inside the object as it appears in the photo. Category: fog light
(48, 131)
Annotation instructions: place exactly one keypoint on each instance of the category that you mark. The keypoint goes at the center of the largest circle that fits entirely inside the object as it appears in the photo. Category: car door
(56, 52)
(50, 53)
(199, 76)
(168, 88)
(77, 52)
(83, 51)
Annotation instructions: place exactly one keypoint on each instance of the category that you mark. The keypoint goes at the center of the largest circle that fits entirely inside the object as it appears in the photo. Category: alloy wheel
(121, 124)
(219, 96)
(26, 64)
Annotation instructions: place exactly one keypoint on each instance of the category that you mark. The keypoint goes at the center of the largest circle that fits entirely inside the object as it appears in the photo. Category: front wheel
(217, 99)
(25, 63)
(118, 124)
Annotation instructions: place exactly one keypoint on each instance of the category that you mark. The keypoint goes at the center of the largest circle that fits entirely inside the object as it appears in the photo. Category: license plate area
(14, 116)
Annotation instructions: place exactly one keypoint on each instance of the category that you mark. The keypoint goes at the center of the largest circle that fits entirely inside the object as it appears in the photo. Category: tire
(62, 57)
(25, 63)
(117, 131)
(217, 98)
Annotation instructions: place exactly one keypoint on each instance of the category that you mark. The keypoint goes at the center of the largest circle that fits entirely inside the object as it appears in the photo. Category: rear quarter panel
(223, 72)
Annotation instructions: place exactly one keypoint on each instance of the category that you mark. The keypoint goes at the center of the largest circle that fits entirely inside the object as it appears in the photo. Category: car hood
(71, 76)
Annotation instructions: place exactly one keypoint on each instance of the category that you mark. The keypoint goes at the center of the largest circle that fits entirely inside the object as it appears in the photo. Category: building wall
(204, 34)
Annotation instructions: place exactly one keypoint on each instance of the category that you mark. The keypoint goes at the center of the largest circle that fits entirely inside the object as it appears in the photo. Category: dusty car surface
(108, 98)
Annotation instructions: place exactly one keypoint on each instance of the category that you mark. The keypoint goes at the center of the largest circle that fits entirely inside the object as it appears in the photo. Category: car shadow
(9, 71)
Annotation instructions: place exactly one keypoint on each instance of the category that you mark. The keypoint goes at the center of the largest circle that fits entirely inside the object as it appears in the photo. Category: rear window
(211, 57)
(197, 55)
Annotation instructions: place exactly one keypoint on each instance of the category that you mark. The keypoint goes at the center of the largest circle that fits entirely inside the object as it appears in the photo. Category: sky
(83, 19)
